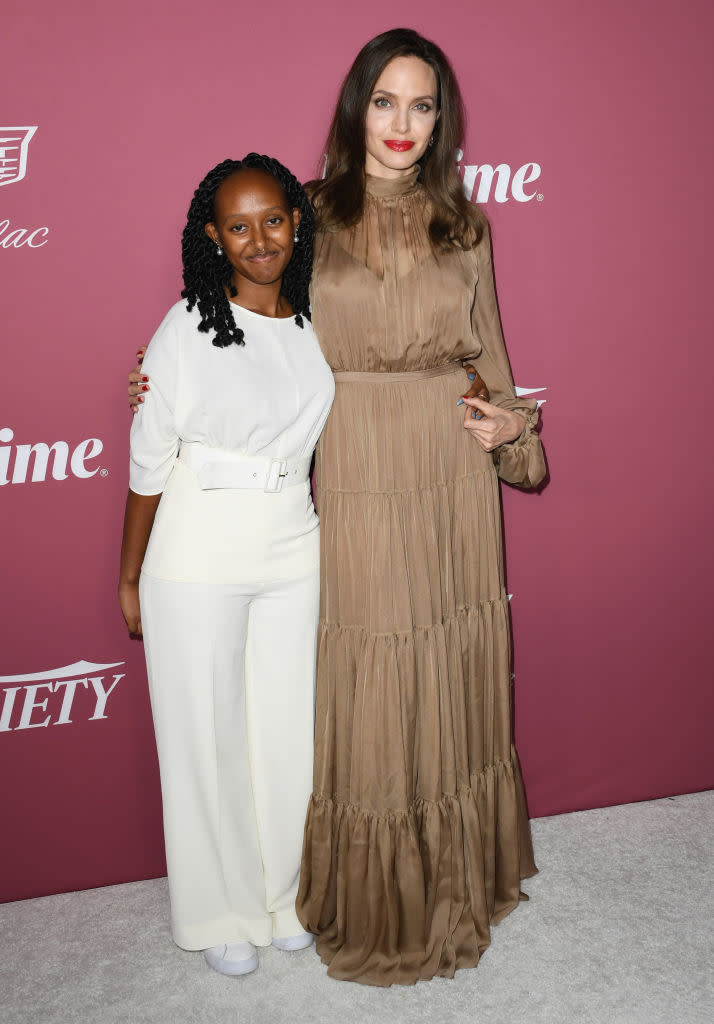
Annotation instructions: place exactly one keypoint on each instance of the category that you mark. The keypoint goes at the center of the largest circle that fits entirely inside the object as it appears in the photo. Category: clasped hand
(491, 426)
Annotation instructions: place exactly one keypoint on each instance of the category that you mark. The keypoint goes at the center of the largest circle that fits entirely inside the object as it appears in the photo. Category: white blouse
(268, 398)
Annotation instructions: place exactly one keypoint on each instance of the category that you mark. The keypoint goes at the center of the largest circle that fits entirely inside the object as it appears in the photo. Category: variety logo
(13, 153)
(25, 707)
(518, 184)
(15, 460)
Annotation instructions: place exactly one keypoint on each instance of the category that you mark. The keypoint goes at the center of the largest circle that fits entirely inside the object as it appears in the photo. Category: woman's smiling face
(254, 225)
(401, 117)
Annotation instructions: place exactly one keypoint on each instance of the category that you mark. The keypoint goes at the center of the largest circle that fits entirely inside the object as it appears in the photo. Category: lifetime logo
(16, 472)
(478, 181)
(59, 682)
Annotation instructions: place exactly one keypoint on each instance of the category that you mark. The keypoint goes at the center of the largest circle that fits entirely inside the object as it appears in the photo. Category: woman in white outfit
(220, 561)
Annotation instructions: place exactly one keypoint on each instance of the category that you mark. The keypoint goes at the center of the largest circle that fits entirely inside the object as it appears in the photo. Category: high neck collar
(385, 188)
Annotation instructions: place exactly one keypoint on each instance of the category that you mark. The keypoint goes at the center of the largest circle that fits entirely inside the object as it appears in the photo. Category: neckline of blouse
(261, 316)
(385, 188)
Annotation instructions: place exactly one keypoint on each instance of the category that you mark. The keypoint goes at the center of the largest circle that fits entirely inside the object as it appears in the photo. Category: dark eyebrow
(386, 92)
(269, 209)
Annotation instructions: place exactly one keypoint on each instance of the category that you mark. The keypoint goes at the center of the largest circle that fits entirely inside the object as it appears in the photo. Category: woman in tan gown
(417, 832)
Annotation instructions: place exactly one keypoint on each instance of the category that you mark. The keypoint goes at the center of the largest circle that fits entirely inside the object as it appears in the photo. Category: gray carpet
(618, 931)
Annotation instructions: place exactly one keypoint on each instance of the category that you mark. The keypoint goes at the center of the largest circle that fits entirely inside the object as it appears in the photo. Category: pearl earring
(295, 238)
(219, 251)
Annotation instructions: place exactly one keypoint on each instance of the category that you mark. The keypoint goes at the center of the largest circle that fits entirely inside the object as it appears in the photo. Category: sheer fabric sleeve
(154, 437)
(520, 462)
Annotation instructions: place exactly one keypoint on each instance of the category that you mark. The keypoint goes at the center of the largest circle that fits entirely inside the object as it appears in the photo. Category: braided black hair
(206, 275)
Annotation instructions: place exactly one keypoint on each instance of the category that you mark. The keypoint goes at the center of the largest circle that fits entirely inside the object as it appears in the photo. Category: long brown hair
(339, 198)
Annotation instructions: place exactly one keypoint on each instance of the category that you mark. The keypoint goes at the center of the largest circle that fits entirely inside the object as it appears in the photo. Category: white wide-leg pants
(231, 676)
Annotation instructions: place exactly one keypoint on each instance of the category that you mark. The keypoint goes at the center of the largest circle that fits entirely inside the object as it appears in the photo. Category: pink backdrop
(604, 284)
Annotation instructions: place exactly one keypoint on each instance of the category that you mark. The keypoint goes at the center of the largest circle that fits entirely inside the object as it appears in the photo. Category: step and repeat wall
(589, 143)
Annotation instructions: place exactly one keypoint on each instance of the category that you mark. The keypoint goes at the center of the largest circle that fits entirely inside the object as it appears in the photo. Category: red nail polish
(144, 387)
(145, 380)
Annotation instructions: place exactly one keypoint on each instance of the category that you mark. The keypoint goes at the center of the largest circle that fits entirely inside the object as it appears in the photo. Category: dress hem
(409, 894)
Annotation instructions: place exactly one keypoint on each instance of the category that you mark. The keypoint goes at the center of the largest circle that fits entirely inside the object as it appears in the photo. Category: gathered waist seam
(487, 470)
(463, 792)
(397, 377)
(502, 601)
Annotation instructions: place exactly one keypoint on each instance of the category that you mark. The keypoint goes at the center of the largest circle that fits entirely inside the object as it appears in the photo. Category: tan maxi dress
(417, 834)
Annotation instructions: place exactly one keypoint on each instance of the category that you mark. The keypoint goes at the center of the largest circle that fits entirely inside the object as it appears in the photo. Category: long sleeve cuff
(522, 462)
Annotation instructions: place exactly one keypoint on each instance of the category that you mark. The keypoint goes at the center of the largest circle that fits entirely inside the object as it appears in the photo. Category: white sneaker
(235, 958)
(301, 941)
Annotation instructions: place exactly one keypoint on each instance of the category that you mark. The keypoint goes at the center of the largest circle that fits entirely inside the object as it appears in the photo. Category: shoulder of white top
(178, 313)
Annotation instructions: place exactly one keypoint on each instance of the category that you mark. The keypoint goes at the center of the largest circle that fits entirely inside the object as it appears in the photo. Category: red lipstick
(397, 146)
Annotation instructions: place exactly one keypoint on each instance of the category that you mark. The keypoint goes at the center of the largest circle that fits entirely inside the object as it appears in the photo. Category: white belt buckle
(277, 471)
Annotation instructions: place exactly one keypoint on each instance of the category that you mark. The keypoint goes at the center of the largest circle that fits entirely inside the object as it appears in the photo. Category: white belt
(216, 468)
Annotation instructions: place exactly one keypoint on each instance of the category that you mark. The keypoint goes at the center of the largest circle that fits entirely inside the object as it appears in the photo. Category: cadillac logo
(13, 153)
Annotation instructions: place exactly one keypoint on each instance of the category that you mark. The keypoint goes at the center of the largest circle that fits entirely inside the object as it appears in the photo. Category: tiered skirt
(417, 832)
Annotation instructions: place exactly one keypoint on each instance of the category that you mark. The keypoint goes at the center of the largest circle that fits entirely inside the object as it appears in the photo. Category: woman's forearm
(138, 520)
